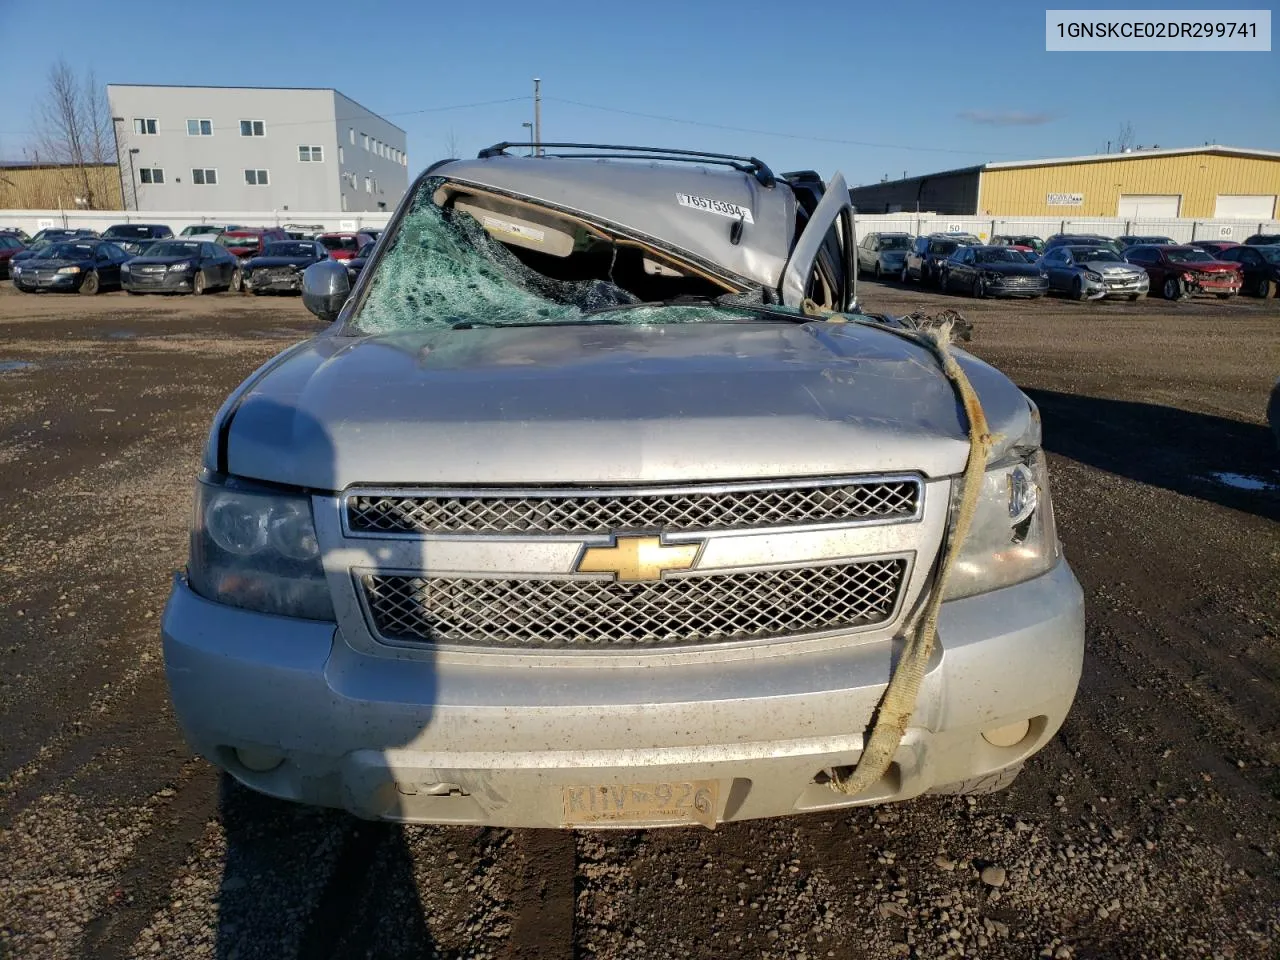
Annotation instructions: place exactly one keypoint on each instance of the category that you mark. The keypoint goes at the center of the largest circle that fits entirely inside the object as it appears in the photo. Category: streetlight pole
(133, 179)
(529, 126)
(537, 116)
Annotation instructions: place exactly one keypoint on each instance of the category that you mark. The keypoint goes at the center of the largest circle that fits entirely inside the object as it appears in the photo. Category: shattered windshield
(442, 268)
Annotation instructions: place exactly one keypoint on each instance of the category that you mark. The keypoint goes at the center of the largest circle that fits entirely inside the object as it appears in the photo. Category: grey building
(254, 149)
(951, 191)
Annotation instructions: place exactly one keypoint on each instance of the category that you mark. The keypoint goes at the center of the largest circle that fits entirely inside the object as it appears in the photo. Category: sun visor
(518, 226)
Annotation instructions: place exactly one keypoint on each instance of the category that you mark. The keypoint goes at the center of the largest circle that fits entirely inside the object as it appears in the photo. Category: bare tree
(451, 144)
(1124, 139)
(74, 131)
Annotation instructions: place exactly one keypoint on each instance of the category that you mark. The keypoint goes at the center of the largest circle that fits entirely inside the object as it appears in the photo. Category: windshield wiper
(714, 303)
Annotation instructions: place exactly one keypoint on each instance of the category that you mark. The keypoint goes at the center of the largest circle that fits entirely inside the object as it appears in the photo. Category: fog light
(1007, 736)
(259, 759)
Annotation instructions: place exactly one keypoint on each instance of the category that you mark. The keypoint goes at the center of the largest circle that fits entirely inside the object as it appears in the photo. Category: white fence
(1181, 230)
(33, 220)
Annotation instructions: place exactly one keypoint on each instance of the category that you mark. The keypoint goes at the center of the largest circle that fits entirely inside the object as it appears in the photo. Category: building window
(311, 154)
(199, 128)
(252, 128)
(364, 140)
(204, 177)
(144, 127)
(255, 178)
(368, 185)
(151, 175)
(351, 135)
(341, 157)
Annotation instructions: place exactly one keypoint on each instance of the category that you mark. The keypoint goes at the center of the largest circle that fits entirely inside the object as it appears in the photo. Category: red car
(1214, 247)
(344, 246)
(10, 243)
(1179, 271)
(244, 243)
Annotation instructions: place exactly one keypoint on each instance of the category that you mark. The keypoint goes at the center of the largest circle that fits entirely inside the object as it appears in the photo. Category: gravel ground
(1148, 828)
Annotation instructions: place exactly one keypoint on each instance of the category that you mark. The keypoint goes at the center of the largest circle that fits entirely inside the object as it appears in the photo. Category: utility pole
(133, 178)
(537, 117)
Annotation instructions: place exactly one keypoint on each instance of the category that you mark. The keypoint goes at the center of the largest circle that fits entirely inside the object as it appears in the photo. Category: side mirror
(325, 288)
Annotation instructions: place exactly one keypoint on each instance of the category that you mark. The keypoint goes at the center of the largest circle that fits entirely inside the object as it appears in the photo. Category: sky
(873, 90)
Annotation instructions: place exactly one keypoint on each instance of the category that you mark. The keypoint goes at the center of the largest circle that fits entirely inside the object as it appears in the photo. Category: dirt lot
(1149, 827)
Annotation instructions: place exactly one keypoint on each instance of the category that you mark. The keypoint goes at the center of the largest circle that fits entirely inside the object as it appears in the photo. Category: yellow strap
(899, 700)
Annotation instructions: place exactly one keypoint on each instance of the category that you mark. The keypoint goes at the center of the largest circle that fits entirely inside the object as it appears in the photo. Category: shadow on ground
(1212, 458)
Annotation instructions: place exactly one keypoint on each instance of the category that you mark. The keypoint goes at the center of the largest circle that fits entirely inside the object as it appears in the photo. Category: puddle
(8, 366)
(122, 335)
(1242, 481)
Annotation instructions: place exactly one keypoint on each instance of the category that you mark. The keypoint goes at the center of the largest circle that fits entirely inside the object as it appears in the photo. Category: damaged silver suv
(600, 503)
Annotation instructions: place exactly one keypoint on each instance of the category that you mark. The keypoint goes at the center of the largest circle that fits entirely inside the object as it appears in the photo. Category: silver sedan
(1092, 273)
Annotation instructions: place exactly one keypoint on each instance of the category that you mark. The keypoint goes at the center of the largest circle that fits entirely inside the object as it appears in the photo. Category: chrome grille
(683, 610)
(585, 512)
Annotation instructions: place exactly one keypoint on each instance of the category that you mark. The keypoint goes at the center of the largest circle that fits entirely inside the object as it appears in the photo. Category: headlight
(1012, 537)
(124, 267)
(257, 550)
(1095, 277)
(994, 276)
(180, 267)
(68, 269)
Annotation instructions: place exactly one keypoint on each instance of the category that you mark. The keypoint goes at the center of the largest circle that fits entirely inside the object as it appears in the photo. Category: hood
(1213, 266)
(45, 263)
(299, 262)
(605, 404)
(1109, 266)
(1009, 269)
(161, 261)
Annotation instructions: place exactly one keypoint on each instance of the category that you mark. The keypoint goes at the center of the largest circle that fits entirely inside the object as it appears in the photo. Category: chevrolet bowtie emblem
(638, 558)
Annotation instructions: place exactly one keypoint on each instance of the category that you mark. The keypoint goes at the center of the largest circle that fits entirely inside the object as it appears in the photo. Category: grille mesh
(602, 614)
(595, 512)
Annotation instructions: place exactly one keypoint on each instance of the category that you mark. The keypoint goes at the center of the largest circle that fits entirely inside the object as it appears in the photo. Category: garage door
(1150, 206)
(1257, 206)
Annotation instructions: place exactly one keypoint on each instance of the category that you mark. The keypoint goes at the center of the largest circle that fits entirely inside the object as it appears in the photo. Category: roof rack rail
(752, 165)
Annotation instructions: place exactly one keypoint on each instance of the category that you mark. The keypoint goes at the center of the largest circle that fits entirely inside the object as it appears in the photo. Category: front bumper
(1116, 287)
(64, 281)
(445, 740)
(1005, 289)
(291, 284)
(160, 283)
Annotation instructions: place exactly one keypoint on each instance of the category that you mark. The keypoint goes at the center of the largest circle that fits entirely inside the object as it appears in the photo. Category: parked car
(355, 266)
(1263, 240)
(1025, 242)
(133, 237)
(373, 233)
(343, 246)
(9, 245)
(882, 254)
(51, 234)
(479, 468)
(1213, 247)
(86, 265)
(244, 243)
(181, 266)
(1131, 240)
(1093, 272)
(207, 229)
(303, 231)
(1260, 267)
(278, 268)
(992, 271)
(1179, 271)
(1081, 240)
(17, 232)
(927, 253)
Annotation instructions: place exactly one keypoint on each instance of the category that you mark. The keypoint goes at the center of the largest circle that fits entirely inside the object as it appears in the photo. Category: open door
(822, 265)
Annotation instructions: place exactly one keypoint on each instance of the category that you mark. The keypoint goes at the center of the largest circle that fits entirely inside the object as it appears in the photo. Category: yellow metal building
(31, 186)
(1195, 182)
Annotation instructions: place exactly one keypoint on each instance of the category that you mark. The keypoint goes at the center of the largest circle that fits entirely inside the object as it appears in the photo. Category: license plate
(617, 804)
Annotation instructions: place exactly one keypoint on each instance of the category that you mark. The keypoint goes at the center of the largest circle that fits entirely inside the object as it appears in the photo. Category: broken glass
(443, 269)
